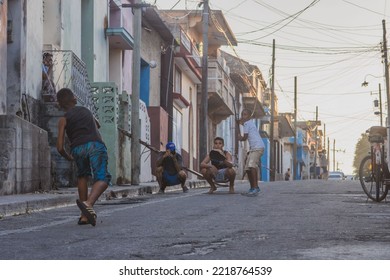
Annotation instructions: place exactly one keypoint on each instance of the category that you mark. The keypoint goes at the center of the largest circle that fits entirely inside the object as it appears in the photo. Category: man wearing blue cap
(169, 169)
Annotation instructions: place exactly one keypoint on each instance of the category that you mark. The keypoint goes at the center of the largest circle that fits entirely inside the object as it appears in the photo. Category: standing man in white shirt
(256, 150)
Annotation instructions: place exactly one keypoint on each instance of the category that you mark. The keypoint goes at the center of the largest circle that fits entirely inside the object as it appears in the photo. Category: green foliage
(361, 150)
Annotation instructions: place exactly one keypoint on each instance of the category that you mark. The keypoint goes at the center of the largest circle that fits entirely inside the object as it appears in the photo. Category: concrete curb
(13, 205)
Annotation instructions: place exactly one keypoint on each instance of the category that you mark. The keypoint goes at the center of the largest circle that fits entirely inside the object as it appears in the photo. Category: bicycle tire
(378, 176)
(373, 188)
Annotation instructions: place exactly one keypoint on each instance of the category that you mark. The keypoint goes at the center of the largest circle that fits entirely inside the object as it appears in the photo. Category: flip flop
(87, 212)
(80, 222)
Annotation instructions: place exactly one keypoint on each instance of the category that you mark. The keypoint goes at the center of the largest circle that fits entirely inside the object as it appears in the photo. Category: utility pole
(203, 117)
(271, 140)
(295, 169)
(328, 154)
(335, 168)
(135, 125)
(387, 83)
(324, 146)
(316, 149)
(334, 154)
(380, 105)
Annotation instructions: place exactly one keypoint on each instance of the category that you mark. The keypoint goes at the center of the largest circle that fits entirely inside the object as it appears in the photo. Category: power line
(290, 17)
(366, 9)
(318, 50)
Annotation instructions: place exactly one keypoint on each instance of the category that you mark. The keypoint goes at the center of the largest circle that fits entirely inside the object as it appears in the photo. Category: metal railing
(65, 69)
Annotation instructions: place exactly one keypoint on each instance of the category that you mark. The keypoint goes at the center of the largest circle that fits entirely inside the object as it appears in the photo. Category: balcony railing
(220, 91)
(220, 83)
(64, 69)
(190, 47)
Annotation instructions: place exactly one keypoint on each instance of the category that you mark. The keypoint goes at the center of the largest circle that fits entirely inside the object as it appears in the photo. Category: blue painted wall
(265, 176)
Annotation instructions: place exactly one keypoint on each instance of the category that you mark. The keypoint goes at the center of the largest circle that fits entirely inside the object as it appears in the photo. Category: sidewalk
(11, 205)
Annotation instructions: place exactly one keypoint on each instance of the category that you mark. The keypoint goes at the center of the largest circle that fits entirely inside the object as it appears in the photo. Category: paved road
(291, 220)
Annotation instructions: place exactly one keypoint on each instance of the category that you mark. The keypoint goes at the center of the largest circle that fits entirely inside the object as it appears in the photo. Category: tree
(361, 150)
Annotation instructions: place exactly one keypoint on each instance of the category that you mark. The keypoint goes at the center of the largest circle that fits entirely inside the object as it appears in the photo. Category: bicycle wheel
(371, 179)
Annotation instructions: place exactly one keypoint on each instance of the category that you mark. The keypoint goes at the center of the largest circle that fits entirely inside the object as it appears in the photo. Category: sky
(331, 46)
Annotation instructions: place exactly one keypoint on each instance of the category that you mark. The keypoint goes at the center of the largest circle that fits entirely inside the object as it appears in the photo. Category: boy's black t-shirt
(81, 127)
(169, 165)
(219, 164)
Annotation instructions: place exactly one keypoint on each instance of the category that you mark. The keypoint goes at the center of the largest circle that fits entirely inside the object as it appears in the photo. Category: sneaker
(161, 191)
(253, 192)
(247, 192)
(185, 189)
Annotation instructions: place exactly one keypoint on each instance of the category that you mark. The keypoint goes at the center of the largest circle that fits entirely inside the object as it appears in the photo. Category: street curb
(14, 205)
(28, 203)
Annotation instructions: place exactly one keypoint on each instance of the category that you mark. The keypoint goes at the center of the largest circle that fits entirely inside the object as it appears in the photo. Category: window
(177, 81)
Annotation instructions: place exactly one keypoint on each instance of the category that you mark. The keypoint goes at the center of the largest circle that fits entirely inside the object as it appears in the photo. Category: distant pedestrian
(256, 150)
(323, 164)
(287, 175)
(87, 149)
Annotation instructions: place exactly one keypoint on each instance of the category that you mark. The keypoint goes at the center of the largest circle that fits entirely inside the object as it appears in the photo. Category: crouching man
(169, 169)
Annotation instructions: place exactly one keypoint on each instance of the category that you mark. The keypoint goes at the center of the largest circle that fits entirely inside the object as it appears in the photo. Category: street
(319, 220)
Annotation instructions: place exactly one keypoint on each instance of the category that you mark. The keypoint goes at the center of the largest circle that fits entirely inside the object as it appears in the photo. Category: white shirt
(254, 138)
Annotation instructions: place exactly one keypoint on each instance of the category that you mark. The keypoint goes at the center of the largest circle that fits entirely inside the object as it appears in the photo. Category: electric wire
(363, 52)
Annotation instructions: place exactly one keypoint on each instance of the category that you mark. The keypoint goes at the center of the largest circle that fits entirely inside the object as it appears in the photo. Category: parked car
(336, 176)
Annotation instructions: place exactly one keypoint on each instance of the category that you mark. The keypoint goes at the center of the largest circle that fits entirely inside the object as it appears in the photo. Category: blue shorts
(92, 156)
(220, 176)
(171, 180)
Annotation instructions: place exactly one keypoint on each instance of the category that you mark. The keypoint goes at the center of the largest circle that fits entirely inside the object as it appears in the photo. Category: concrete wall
(3, 58)
(190, 115)
(51, 22)
(33, 47)
(116, 70)
(24, 56)
(94, 44)
(15, 58)
(25, 162)
(288, 158)
(71, 25)
(100, 42)
(159, 133)
(146, 170)
(87, 46)
(151, 51)
(124, 156)
(127, 68)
